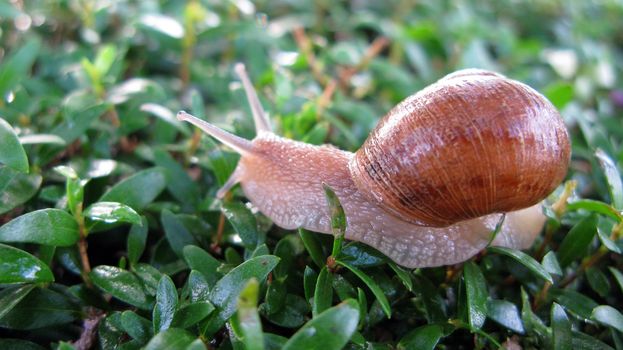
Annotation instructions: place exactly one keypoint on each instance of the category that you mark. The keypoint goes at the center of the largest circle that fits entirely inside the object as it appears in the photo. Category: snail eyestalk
(236, 143)
(262, 124)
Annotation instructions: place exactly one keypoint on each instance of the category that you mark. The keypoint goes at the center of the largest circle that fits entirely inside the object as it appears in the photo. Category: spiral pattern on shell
(471, 144)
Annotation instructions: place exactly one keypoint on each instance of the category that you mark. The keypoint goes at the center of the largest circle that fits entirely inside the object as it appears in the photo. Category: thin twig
(89, 330)
(305, 45)
(83, 246)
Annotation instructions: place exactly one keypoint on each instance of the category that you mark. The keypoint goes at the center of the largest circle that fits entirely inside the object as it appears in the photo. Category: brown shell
(473, 143)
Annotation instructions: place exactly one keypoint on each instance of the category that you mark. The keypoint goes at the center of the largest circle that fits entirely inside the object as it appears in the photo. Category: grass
(111, 236)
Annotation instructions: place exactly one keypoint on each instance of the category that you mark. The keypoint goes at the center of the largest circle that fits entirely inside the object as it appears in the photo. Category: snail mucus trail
(432, 180)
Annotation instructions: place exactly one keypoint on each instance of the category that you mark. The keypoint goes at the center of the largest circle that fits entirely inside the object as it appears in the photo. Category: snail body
(432, 180)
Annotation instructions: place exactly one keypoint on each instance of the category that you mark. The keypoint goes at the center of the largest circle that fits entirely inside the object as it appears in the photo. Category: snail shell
(472, 144)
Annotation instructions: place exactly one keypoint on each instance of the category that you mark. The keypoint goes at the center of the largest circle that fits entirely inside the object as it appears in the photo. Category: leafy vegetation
(111, 236)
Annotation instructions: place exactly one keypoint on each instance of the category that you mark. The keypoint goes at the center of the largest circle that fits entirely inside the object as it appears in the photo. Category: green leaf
(11, 296)
(243, 222)
(403, 275)
(506, 314)
(309, 282)
(121, 284)
(550, 264)
(574, 302)
(17, 266)
(15, 68)
(201, 261)
(166, 304)
(16, 188)
(137, 327)
(46, 226)
(524, 259)
(199, 289)
(576, 242)
(422, 338)
(172, 338)
(190, 314)
(137, 190)
(41, 308)
(19, 344)
(182, 187)
(330, 330)
(608, 316)
(597, 207)
(598, 281)
(338, 219)
(323, 293)
(112, 212)
(561, 328)
(177, 234)
(607, 242)
(618, 276)
(376, 290)
(310, 241)
(247, 321)
(615, 186)
(476, 293)
(136, 241)
(293, 313)
(225, 293)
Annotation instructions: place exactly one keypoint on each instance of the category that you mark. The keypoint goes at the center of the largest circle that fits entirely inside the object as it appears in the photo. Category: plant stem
(83, 245)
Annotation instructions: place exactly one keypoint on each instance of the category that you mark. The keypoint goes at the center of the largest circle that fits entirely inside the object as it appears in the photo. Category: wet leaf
(172, 338)
(166, 304)
(329, 330)
(112, 212)
(46, 226)
(121, 284)
(137, 190)
(476, 293)
(17, 266)
(524, 259)
(16, 188)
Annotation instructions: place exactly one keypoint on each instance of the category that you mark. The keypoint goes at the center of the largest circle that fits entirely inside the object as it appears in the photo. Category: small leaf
(618, 276)
(608, 316)
(12, 153)
(310, 241)
(137, 190)
(46, 226)
(476, 293)
(323, 293)
(422, 338)
(574, 302)
(16, 188)
(338, 219)
(42, 307)
(293, 313)
(506, 314)
(598, 281)
(17, 266)
(243, 222)
(112, 212)
(597, 207)
(136, 241)
(225, 293)
(330, 330)
(550, 264)
(9, 297)
(607, 242)
(613, 178)
(166, 304)
(403, 275)
(201, 261)
(247, 319)
(309, 282)
(172, 338)
(177, 234)
(524, 259)
(121, 284)
(136, 326)
(576, 242)
(376, 290)
(561, 328)
(199, 289)
(190, 314)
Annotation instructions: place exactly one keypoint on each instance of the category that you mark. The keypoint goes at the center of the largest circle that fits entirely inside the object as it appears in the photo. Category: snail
(432, 180)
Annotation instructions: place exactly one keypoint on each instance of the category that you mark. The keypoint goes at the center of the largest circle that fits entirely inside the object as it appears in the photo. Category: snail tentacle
(260, 117)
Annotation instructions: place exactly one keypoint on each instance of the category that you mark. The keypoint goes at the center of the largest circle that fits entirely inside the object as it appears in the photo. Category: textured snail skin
(284, 181)
(473, 145)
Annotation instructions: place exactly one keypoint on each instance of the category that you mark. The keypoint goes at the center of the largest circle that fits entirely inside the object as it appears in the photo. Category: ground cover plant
(110, 233)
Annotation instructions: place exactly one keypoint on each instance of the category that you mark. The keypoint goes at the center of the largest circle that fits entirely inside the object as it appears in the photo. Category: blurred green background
(91, 88)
